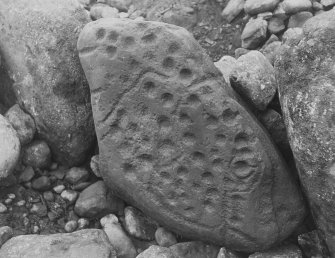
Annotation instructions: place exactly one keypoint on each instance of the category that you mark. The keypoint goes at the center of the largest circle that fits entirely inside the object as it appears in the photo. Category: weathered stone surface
(253, 7)
(85, 243)
(226, 64)
(271, 51)
(155, 251)
(9, 148)
(307, 94)
(175, 142)
(312, 246)
(121, 5)
(285, 251)
(97, 201)
(295, 6)
(327, 3)
(194, 249)
(232, 9)
(37, 154)
(276, 25)
(39, 53)
(299, 19)
(5, 234)
(22, 122)
(164, 237)
(225, 253)
(254, 33)
(253, 77)
(99, 11)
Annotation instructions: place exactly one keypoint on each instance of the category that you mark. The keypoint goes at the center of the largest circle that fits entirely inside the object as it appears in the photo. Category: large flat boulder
(176, 143)
(38, 51)
(306, 81)
(85, 243)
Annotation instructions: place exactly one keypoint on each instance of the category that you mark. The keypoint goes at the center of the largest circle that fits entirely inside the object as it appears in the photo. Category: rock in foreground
(175, 142)
(84, 244)
(306, 80)
(39, 52)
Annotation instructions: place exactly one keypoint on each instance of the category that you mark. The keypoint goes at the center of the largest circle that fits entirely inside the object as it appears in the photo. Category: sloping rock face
(306, 81)
(175, 142)
(86, 243)
(39, 53)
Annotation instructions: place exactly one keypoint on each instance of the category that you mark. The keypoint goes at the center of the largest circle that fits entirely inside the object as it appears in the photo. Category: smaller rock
(271, 51)
(317, 6)
(41, 183)
(299, 19)
(36, 229)
(225, 253)
(164, 237)
(240, 52)
(254, 33)
(254, 7)
(39, 209)
(11, 196)
(71, 226)
(328, 3)
(287, 251)
(156, 251)
(95, 165)
(3, 208)
(69, 196)
(123, 15)
(280, 12)
(48, 196)
(276, 25)
(253, 78)
(312, 245)
(97, 201)
(83, 223)
(265, 15)
(8, 201)
(6, 233)
(226, 64)
(292, 36)
(23, 123)
(232, 9)
(53, 166)
(76, 175)
(21, 203)
(195, 249)
(138, 224)
(117, 237)
(121, 5)
(295, 6)
(81, 186)
(99, 11)
(27, 174)
(37, 154)
(58, 173)
(59, 188)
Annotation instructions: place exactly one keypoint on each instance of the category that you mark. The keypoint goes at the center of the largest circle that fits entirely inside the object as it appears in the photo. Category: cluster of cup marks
(174, 178)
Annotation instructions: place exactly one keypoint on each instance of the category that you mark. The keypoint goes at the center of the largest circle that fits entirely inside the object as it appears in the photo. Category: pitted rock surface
(176, 143)
(306, 80)
(39, 53)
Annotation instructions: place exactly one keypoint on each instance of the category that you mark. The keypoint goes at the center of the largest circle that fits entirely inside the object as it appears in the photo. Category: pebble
(27, 174)
(232, 9)
(3, 208)
(53, 166)
(99, 11)
(48, 196)
(70, 196)
(81, 186)
(225, 253)
(94, 164)
(36, 229)
(164, 237)
(276, 25)
(8, 201)
(226, 65)
(39, 209)
(5, 234)
(295, 6)
(41, 184)
(76, 175)
(299, 19)
(11, 196)
(83, 223)
(21, 203)
(37, 154)
(123, 15)
(71, 226)
(59, 188)
(327, 3)
(254, 33)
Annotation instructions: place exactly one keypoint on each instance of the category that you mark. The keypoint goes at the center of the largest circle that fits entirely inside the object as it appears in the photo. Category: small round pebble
(76, 175)
(8, 201)
(11, 196)
(48, 196)
(54, 166)
(21, 203)
(71, 226)
(42, 183)
(70, 196)
(36, 229)
(59, 188)
(3, 208)
(165, 238)
(83, 223)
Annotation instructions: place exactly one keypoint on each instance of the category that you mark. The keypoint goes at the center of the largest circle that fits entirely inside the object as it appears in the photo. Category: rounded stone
(41, 183)
(164, 237)
(70, 196)
(10, 148)
(71, 226)
(37, 154)
(76, 175)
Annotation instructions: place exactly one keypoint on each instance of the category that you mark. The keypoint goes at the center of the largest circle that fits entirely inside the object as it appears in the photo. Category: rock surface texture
(176, 143)
(39, 52)
(306, 81)
(84, 244)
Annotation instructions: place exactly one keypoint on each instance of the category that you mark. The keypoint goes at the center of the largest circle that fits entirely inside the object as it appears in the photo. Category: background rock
(39, 52)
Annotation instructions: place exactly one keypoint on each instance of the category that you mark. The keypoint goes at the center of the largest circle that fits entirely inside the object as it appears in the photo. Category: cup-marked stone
(175, 142)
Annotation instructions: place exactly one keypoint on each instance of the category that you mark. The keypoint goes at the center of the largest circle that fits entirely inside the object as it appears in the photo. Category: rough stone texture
(99, 11)
(85, 243)
(312, 246)
(253, 77)
(176, 143)
(307, 94)
(232, 9)
(39, 53)
(22, 122)
(155, 251)
(254, 33)
(253, 7)
(77, 175)
(194, 249)
(285, 251)
(164, 237)
(97, 201)
(117, 237)
(225, 253)
(327, 3)
(121, 5)
(299, 19)
(295, 6)
(271, 51)
(292, 36)
(226, 64)
(9, 149)
(276, 25)
(94, 165)
(5, 234)
(37, 154)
